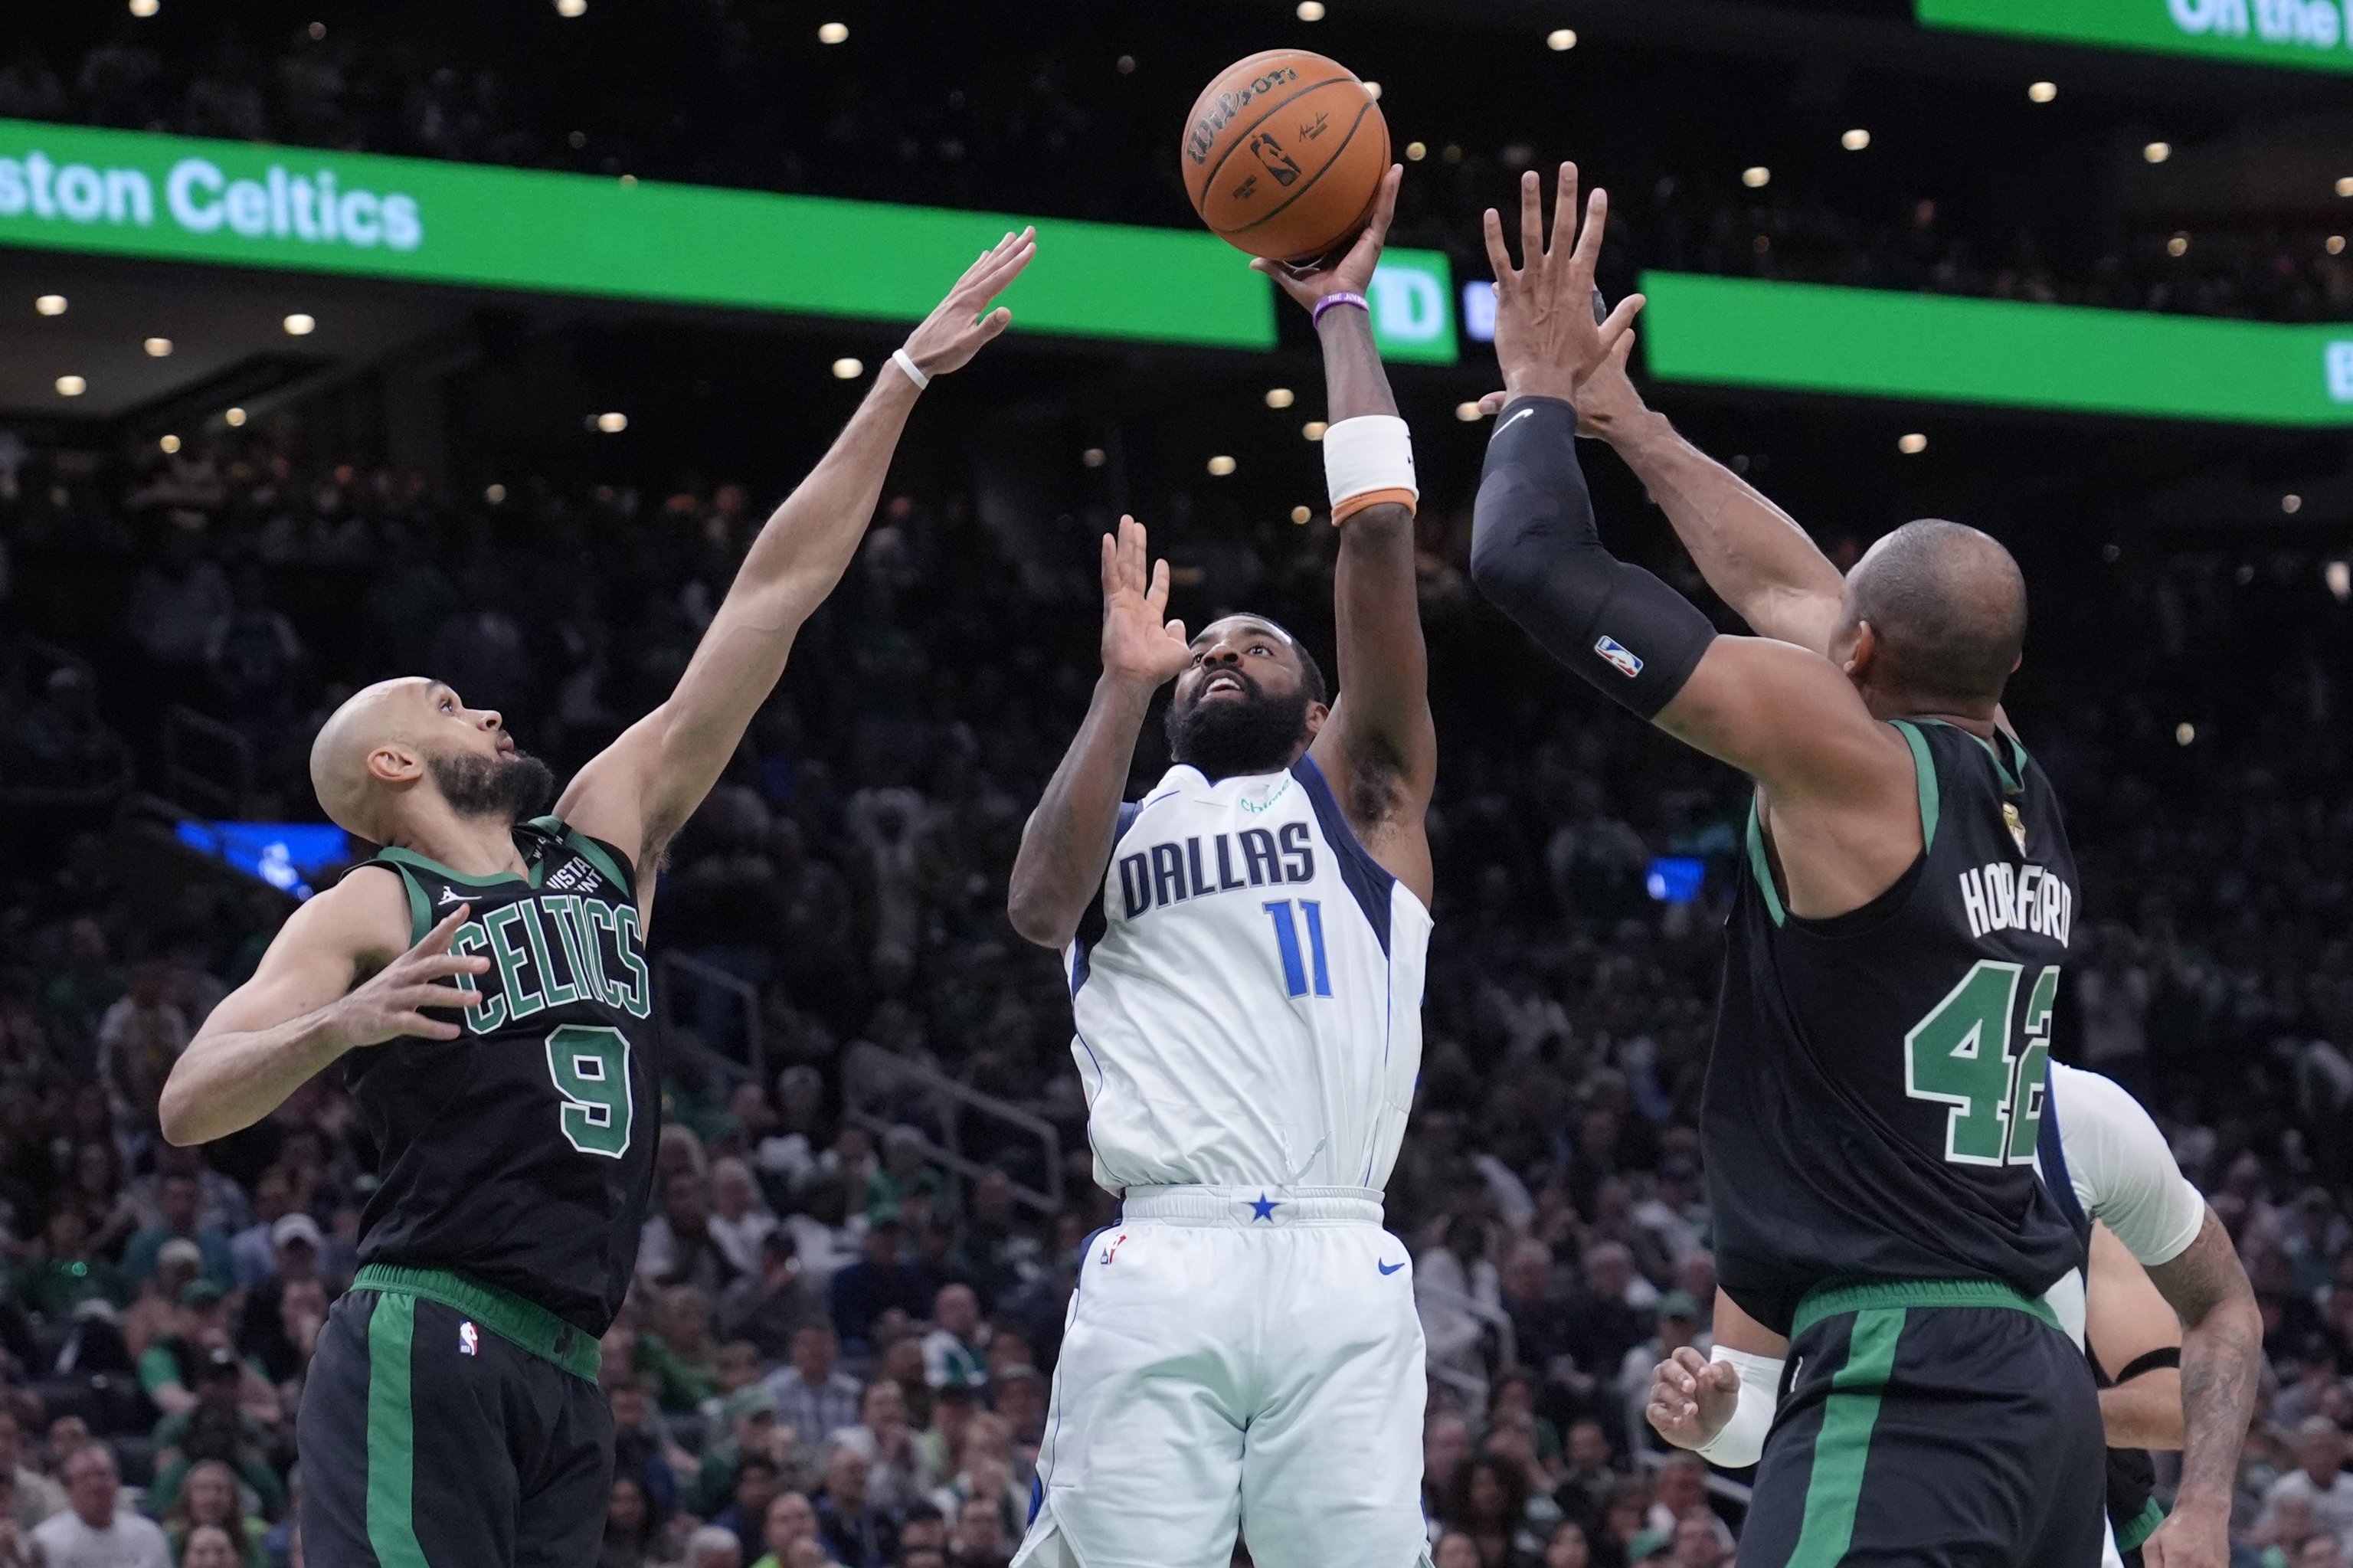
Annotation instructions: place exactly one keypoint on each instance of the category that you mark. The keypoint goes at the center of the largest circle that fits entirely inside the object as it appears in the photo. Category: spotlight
(2345, 185)
(2158, 152)
(495, 494)
(233, 418)
(1220, 466)
(1310, 10)
(300, 326)
(72, 386)
(1415, 152)
(1561, 38)
(1125, 65)
(2177, 246)
(144, 7)
(1756, 176)
(2041, 91)
(2291, 504)
(572, 8)
(2338, 576)
(833, 33)
(1302, 513)
(2337, 245)
(1278, 396)
(847, 368)
(1856, 140)
(1094, 457)
(50, 304)
(158, 347)
(2183, 734)
(612, 424)
(1912, 445)
(1312, 429)
(170, 444)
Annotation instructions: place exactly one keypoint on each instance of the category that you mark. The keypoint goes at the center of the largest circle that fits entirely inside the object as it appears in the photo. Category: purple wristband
(1328, 301)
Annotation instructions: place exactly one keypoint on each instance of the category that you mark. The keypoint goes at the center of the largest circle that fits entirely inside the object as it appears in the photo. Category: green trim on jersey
(1844, 1444)
(1924, 769)
(523, 1323)
(1762, 865)
(588, 849)
(391, 1434)
(2141, 1526)
(420, 908)
(1833, 1298)
(405, 857)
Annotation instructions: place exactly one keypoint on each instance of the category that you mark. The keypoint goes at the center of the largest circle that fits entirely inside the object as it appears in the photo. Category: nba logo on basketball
(469, 1339)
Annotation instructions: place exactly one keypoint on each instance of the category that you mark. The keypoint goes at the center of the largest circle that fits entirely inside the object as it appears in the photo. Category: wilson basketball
(1283, 154)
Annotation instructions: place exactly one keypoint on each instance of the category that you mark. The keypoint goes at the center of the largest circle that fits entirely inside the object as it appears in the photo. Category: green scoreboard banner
(2314, 34)
(1741, 331)
(129, 193)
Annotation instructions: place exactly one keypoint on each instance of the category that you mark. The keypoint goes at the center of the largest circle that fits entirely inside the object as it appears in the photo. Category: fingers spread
(1158, 595)
(1532, 219)
(1620, 322)
(1588, 240)
(1498, 256)
(1564, 209)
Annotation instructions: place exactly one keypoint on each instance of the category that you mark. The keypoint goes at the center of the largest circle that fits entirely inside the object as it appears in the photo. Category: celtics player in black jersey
(482, 983)
(1906, 912)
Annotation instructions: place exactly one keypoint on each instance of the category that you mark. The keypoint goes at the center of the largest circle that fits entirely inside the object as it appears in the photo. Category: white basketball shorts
(1235, 1358)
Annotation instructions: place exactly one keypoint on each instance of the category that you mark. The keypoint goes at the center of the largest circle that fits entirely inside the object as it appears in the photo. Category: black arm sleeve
(1535, 553)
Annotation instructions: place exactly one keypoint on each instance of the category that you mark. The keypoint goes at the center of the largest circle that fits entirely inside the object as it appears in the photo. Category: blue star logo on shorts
(1264, 1208)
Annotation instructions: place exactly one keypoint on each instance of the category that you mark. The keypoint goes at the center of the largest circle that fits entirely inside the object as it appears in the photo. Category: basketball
(1284, 153)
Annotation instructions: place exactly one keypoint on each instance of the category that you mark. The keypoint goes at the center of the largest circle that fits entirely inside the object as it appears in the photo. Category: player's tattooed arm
(1379, 746)
(2221, 1362)
(641, 791)
(1066, 842)
(335, 979)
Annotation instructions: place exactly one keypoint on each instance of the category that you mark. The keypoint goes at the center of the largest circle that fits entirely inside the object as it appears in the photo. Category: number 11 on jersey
(1959, 1055)
(1286, 942)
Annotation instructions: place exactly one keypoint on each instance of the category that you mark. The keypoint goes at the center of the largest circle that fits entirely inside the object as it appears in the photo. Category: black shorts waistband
(1834, 1298)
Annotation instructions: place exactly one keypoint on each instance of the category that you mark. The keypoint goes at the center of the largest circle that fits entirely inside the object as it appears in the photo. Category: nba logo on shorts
(1621, 658)
(469, 1339)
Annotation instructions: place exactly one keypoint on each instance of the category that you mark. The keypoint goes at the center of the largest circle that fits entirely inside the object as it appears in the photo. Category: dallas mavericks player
(1245, 949)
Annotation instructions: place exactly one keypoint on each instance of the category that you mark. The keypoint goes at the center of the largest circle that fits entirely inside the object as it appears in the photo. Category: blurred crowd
(1070, 113)
(839, 1346)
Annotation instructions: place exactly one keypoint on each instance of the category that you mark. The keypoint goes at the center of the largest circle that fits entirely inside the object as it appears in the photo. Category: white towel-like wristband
(1742, 1441)
(906, 362)
(1368, 460)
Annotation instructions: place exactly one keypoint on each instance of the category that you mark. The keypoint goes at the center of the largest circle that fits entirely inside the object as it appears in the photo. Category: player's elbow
(1040, 918)
(179, 1114)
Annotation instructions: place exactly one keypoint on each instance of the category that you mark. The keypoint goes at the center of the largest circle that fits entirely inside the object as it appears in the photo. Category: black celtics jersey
(1877, 1078)
(521, 1153)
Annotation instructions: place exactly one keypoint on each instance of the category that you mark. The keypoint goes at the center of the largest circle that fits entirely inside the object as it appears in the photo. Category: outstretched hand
(1138, 646)
(1691, 1398)
(1309, 282)
(959, 324)
(391, 1004)
(1546, 337)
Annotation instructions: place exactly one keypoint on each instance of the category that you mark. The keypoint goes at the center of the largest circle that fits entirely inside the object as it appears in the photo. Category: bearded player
(453, 1414)
(1895, 951)
(1245, 949)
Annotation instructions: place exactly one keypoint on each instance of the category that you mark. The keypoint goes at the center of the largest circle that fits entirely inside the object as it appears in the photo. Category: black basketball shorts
(1950, 1424)
(450, 1424)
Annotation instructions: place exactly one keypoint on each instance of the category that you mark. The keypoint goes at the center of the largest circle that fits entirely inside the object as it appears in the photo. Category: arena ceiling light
(2345, 185)
(2158, 152)
(1756, 176)
(2041, 91)
(833, 33)
(233, 418)
(2338, 576)
(168, 445)
(2183, 734)
(1278, 396)
(50, 304)
(300, 326)
(569, 8)
(1094, 457)
(848, 368)
(1415, 152)
(145, 7)
(1310, 10)
(2291, 504)
(1302, 513)
(72, 386)
(2336, 243)
(1561, 38)
(158, 347)
(612, 424)
(1912, 444)
(1220, 466)
(2177, 246)
(1856, 140)
(1312, 429)
(495, 493)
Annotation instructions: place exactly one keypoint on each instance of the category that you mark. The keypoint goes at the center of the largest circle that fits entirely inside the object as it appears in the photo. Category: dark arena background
(2081, 282)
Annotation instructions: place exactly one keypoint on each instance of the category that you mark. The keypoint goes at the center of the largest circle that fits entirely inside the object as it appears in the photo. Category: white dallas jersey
(2104, 1160)
(1248, 991)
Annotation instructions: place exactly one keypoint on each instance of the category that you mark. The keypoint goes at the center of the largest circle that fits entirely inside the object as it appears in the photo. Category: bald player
(483, 982)
(1902, 922)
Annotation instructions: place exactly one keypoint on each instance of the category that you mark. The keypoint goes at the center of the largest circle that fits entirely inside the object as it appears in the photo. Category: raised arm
(1750, 551)
(300, 1010)
(639, 791)
(1066, 842)
(1379, 748)
(1783, 713)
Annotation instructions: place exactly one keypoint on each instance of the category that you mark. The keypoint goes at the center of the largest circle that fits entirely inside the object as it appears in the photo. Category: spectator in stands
(1455, 1549)
(61, 746)
(1567, 1546)
(813, 1396)
(1698, 1542)
(753, 1432)
(208, 1499)
(1589, 1477)
(1020, 1394)
(210, 1546)
(177, 1197)
(894, 1476)
(64, 1271)
(879, 1280)
(176, 1362)
(92, 1532)
(2320, 1479)
(678, 1346)
(979, 1540)
(156, 1312)
(740, 1220)
(955, 1351)
(677, 1246)
(1488, 1502)
(858, 1534)
(221, 1203)
(634, 1536)
(771, 1304)
(35, 1496)
(758, 1479)
(713, 1547)
(790, 1519)
(233, 1420)
(273, 1328)
(97, 1184)
(1603, 1323)
(255, 1248)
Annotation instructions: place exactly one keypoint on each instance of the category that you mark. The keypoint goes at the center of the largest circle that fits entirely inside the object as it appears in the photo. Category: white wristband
(1366, 460)
(906, 362)
(1742, 1441)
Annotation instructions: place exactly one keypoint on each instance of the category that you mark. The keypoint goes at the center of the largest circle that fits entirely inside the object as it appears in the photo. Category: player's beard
(1225, 738)
(507, 789)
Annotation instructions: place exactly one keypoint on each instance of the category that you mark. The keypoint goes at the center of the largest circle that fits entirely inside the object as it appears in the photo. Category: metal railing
(873, 1079)
(189, 736)
(677, 974)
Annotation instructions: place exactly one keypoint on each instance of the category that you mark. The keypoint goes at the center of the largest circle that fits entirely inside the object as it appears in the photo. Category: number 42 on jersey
(1961, 1055)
